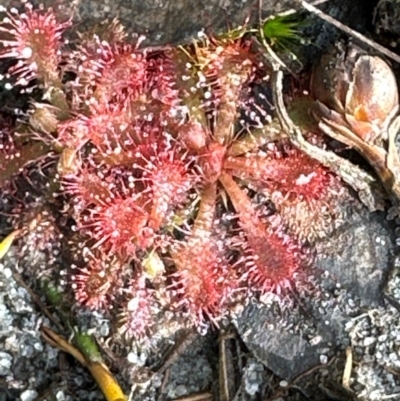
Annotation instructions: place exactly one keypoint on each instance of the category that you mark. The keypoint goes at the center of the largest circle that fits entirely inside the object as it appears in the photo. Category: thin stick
(297, 379)
(349, 31)
(347, 369)
(196, 397)
(294, 11)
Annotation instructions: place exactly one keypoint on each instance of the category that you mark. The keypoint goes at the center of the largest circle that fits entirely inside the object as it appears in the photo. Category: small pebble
(5, 363)
(369, 341)
(60, 396)
(323, 359)
(29, 395)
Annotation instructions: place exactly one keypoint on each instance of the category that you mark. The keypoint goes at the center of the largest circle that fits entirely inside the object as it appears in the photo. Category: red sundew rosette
(96, 284)
(211, 161)
(169, 179)
(108, 127)
(34, 39)
(268, 258)
(138, 315)
(156, 180)
(204, 281)
(119, 226)
(120, 72)
(228, 66)
(110, 210)
(162, 79)
(112, 134)
(193, 136)
(107, 71)
(304, 192)
(119, 133)
(86, 188)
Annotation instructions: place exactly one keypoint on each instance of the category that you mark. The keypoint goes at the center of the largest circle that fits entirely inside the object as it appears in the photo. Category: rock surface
(164, 21)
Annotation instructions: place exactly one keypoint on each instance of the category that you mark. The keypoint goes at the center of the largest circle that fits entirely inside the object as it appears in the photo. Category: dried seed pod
(357, 91)
(357, 104)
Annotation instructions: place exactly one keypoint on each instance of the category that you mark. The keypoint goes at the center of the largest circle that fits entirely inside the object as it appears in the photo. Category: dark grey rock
(360, 256)
(387, 17)
(164, 21)
(303, 330)
(284, 352)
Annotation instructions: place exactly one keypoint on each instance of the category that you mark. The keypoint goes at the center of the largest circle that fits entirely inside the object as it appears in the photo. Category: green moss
(283, 31)
(87, 346)
(54, 296)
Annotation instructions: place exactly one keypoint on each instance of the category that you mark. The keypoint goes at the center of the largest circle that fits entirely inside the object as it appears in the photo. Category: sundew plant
(145, 182)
